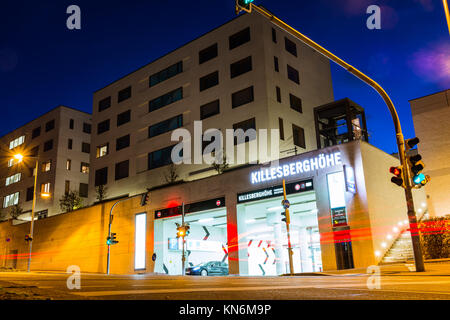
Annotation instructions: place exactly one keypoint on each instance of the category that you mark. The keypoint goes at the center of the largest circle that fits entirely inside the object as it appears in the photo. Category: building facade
(245, 74)
(431, 116)
(60, 142)
(345, 213)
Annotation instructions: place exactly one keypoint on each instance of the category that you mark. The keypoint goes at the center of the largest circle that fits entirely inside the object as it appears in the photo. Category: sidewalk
(432, 268)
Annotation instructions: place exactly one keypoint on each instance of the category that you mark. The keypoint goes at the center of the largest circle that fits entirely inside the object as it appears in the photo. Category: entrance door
(343, 247)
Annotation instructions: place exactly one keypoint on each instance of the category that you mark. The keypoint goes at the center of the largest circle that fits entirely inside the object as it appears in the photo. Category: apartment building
(431, 116)
(60, 143)
(244, 74)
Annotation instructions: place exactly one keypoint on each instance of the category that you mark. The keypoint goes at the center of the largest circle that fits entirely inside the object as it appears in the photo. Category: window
(12, 162)
(239, 38)
(16, 142)
(274, 36)
(278, 94)
(87, 127)
(296, 103)
(207, 54)
(299, 136)
(209, 81)
(11, 200)
(281, 128)
(68, 164)
(71, 124)
(34, 152)
(36, 132)
(13, 179)
(67, 186)
(122, 170)
(50, 125)
(123, 117)
(245, 125)
(47, 166)
(160, 158)
(210, 109)
(70, 144)
(275, 64)
(293, 74)
(101, 176)
(45, 188)
(103, 126)
(165, 74)
(85, 147)
(242, 97)
(30, 194)
(104, 104)
(290, 47)
(122, 142)
(48, 145)
(165, 126)
(102, 150)
(165, 99)
(84, 168)
(124, 94)
(83, 191)
(241, 67)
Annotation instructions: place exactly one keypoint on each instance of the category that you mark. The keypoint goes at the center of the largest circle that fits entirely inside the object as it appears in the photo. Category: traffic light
(397, 172)
(28, 237)
(286, 218)
(182, 230)
(111, 240)
(243, 5)
(416, 165)
(145, 199)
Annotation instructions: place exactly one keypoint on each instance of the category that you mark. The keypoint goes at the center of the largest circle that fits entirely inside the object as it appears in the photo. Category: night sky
(43, 64)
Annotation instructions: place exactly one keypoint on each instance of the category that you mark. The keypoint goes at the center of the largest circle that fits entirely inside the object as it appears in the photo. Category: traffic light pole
(288, 221)
(108, 257)
(399, 135)
(183, 257)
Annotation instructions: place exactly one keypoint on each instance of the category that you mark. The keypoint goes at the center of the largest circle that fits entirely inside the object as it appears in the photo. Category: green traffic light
(419, 178)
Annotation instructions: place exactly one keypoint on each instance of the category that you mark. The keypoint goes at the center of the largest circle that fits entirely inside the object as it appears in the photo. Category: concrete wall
(431, 116)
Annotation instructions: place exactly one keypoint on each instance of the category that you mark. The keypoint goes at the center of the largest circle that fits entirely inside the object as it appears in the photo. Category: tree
(15, 211)
(101, 192)
(221, 166)
(172, 174)
(70, 201)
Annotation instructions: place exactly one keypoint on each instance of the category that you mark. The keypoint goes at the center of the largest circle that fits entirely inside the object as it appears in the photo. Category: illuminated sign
(190, 208)
(275, 191)
(322, 161)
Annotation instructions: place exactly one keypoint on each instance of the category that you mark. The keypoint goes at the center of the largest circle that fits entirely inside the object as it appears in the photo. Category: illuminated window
(13, 179)
(84, 167)
(11, 200)
(102, 150)
(16, 142)
(140, 235)
(47, 166)
(45, 188)
(68, 164)
(12, 162)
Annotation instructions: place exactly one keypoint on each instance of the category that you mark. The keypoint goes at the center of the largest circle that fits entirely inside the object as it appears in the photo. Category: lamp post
(20, 157)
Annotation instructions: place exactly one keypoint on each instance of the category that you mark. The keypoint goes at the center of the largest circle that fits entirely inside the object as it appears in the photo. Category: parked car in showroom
(210, 268)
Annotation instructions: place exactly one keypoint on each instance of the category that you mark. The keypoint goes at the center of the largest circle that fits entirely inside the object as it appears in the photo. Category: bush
(435, 236)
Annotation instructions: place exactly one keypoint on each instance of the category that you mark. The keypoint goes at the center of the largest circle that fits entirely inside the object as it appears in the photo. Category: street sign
(285, 203)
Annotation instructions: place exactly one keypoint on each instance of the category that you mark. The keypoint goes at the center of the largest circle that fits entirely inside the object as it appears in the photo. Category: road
(142, 287)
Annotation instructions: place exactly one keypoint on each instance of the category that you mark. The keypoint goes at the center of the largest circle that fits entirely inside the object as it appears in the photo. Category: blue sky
(43, 64)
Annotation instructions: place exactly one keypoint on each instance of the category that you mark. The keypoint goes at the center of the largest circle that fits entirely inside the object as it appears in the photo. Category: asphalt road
(141, 287)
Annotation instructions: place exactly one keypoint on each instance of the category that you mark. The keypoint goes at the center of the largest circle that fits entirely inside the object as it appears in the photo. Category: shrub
(435, 236)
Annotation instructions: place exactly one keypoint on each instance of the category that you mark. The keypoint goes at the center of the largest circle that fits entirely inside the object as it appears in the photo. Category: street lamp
(20, 158)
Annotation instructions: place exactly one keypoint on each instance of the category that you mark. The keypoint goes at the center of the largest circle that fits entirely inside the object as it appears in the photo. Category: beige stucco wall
(431, 116)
